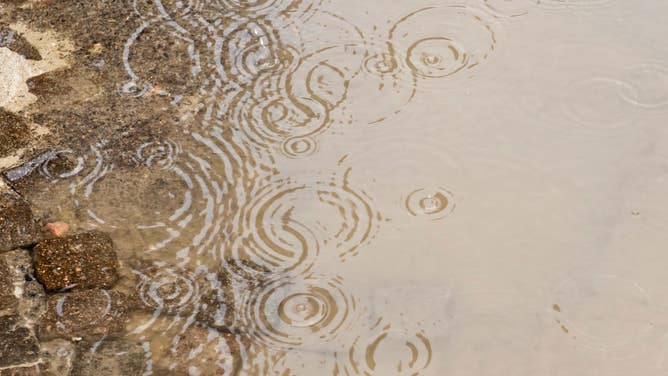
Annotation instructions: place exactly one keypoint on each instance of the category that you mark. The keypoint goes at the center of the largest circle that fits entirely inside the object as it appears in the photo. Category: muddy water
(380, 188)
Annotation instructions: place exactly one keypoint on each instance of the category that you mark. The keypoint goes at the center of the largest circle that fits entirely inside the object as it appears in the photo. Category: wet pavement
(333, 187)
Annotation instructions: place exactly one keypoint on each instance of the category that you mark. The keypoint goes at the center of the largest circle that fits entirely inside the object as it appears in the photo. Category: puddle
(335, 187)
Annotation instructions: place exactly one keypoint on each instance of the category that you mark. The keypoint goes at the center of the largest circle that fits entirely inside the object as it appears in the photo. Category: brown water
(394, 187)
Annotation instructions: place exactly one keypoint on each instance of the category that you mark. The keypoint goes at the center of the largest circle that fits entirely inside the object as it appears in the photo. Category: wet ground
(334, 187)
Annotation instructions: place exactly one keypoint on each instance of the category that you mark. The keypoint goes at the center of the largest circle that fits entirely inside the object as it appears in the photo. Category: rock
(81, 261)
(20, 292)
(22, 371)
(57, 357)
(218, 307)
(179, 346)
(17, 224)
(50, 83)
(200, 351)
(8, 301)
(109, 358)
(16, 42)
(87, 314)
(24, 46)
(15, 133)
(18, 346)
(172, 290)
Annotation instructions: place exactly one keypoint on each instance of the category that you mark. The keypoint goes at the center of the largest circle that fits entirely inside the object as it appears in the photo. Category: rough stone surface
(191, 348)
(14, 133)
(17, 224)
(8, 301)
(23, 371)
(50, 83)
(20, 292)
(178, 345)
(16, 42)
(102, 114)
(18, 346)
(206, 296)
(86, 260)
(218, 307)
(109, 358)
(201, 351)
(57, 357)
(87, 314)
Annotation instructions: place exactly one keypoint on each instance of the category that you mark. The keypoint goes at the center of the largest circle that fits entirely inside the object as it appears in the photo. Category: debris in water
(58, 228)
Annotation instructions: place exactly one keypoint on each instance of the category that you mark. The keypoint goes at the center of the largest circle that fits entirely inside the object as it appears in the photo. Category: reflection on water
(279, 231)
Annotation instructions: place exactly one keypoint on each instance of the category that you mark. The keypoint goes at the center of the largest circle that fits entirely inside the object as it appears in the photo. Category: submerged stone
(81, 261)
(176, 345)
(201, 351)
(206, 296)
(21, 302)
(16, 42)
(49, 84)
(8, 301)
(109, 358)
(20, 292)
(18, 346)
(87, 314)
(14, 133)
(17, 224)
(57, 357)
(32, 370)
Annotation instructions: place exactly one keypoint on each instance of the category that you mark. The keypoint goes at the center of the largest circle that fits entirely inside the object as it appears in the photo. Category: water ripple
(178, 345)
(292, 312)
(387, 351)
(169, 290)
(288, 222)
(162, 154)
(421, 176)
(299, 147)
(510, 8)
(463, 39)
(650, 82)
(606, 312)
(585, 97)
(572, 4)
(431, 203)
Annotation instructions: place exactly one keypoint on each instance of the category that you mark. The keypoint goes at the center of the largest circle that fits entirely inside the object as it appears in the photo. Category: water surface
(398, 187)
